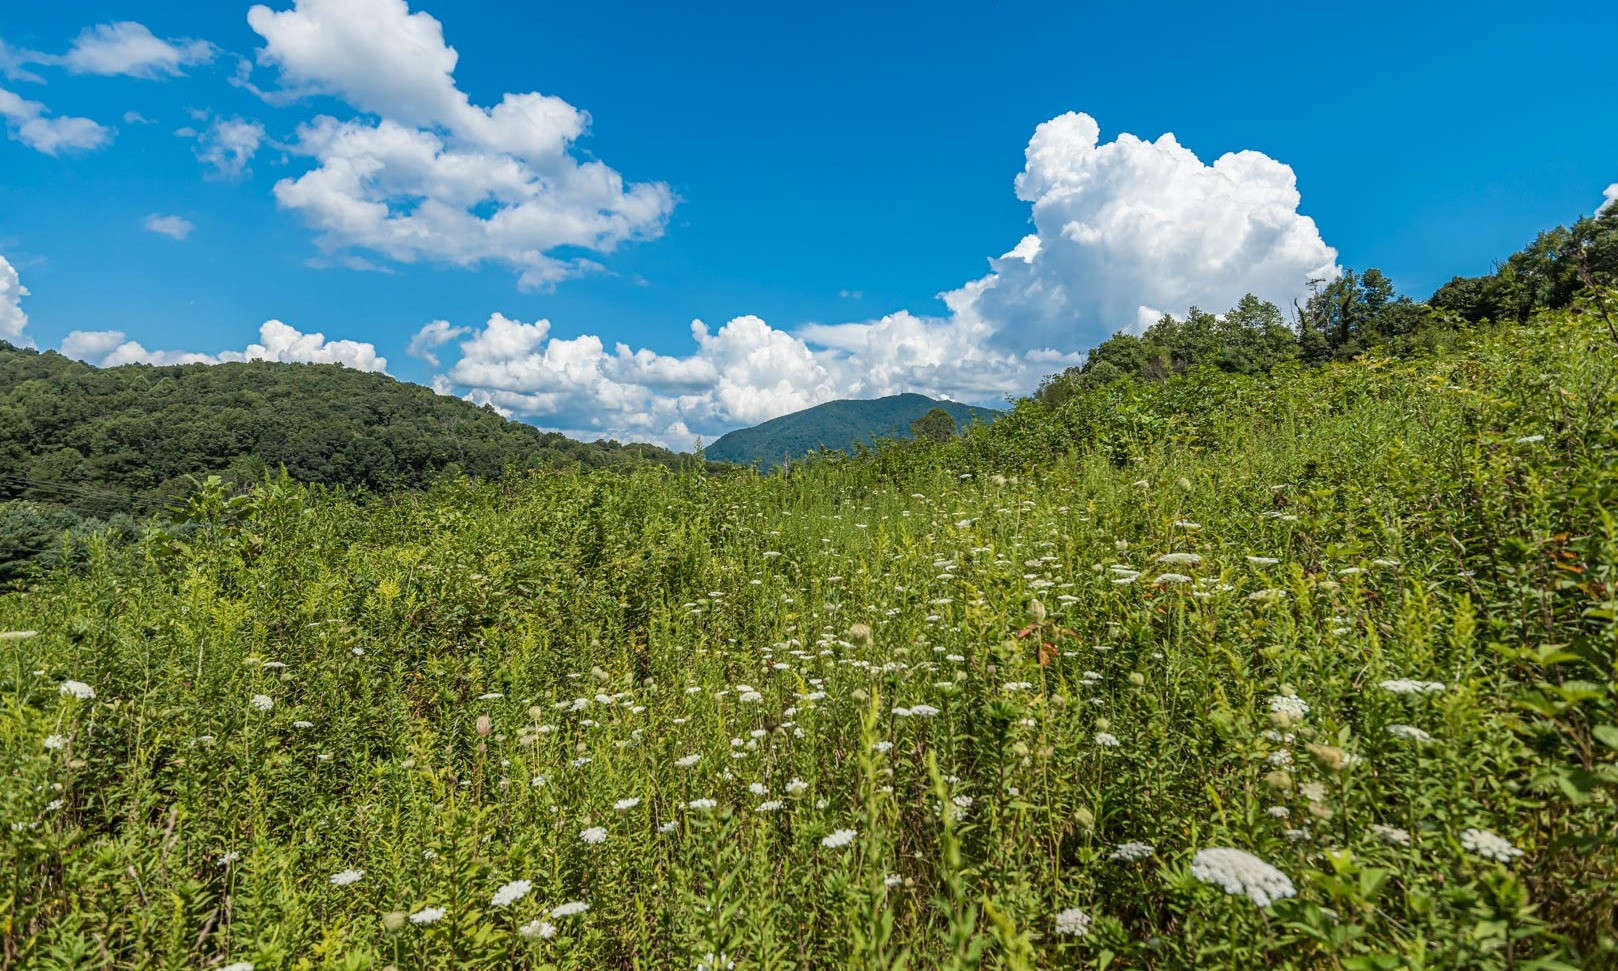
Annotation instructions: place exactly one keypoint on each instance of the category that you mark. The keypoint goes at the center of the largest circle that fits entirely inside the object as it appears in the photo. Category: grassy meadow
(1309, 670)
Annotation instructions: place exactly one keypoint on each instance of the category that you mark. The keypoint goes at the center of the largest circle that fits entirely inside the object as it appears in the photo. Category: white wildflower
(1242, 874)
(624, 805)
(1073, 922)
(838, 839)
(510, 893)
(343, 878)
(593, 834)
(1392, 835)
(1409, 732)
(544, 930)
(1106, 740)
(261, 702)
(427, 915)
(572, 908)
(76, 689)
(1131, 851)
(1180, 559)
(1406, 686)
(1489, 845)
(56, 742)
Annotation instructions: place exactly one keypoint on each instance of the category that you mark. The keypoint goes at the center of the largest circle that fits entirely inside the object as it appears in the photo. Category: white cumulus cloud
(129, 48)
(174, 227)
(1609, 199)
(1129, 229)
(277, 342)
(12, 319)
(227, 145)
(33, 124)
(424, 174)
(431, 337)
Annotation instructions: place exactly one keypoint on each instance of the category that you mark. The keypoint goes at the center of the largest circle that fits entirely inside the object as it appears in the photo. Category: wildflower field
(1309, 670)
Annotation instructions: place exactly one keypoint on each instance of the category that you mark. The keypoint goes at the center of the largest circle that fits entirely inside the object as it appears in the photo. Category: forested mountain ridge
(128, 438)
(838, 426)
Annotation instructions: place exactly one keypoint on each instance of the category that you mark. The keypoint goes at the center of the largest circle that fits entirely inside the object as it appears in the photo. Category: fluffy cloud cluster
(12, 319)
(1124, 231)
(424, 174)
(1609, 199)
(743, 373)
(31, 123)
(1130, 229)
(278, 342)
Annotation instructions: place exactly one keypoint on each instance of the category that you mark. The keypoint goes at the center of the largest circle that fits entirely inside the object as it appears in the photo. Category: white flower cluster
(1073, 922)
(510, 893)
(1242, 874)
(1131, 851)
(1405, 686)
(838, 839)
(1489, 845)
(76, 689)
(1290, 705)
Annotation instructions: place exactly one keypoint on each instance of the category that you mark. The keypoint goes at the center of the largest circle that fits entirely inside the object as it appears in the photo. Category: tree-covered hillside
(127, 439)
(1357, 312)
(836, 426)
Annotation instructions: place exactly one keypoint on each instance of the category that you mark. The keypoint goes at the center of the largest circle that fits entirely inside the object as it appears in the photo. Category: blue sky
(806, 182)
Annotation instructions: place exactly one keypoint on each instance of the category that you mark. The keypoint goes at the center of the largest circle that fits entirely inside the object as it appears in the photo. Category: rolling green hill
(836, 425)
(127, 439)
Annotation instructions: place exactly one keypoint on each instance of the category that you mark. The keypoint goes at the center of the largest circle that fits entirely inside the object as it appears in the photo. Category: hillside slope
(124, 439)
(836, 425)
(1311, 669)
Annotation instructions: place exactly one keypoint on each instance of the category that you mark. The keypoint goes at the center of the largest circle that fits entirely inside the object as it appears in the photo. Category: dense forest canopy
(121, 439)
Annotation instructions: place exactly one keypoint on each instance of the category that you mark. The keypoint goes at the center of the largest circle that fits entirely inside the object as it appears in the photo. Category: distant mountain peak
(836, 425)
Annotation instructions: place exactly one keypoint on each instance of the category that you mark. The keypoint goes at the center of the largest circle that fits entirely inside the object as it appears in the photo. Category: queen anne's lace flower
(1489, 845)
(1410, 732)
(1405, 686)
(1073, 922)
(511, 893)
(76, 689)
(1131, 851)
(572, 908)
(594, 834)
(343, 878)
(427, 915)
(1180, 559)
(261, 702)
(1290, 705)
(1242, 874)
(1392, 835)
(838, 839)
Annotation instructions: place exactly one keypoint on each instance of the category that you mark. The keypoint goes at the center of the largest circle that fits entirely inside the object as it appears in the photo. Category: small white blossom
(544, 930)
(76, 689)
(343, 878)
(261, 702)
(572, 908)
(593, 834)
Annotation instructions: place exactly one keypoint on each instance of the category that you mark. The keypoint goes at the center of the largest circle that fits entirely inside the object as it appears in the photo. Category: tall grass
(930, 694)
